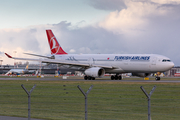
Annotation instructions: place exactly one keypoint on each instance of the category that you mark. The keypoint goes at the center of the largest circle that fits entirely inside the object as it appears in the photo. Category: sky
(90, 26)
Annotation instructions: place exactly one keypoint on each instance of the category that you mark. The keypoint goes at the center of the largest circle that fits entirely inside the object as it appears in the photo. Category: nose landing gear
(157, 78)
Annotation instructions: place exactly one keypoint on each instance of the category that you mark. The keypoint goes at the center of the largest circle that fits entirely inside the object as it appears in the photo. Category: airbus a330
(97, 65)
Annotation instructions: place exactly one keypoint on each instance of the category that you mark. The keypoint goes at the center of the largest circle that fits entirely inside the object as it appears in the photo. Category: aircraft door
(154, 61)
(91, 61)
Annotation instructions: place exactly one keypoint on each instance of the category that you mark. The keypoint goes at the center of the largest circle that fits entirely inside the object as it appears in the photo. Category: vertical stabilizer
(27, 67)
(55, 47)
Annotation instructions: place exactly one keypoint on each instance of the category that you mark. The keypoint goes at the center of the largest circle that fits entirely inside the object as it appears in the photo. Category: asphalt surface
(168, 80)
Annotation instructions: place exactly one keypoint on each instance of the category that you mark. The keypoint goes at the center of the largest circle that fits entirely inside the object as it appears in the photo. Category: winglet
(8, 55)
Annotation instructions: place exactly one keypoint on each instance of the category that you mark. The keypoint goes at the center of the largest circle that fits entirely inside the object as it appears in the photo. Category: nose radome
(171, 65)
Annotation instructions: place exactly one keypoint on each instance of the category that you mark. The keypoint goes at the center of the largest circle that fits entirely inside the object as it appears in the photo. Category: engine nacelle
(141, 74)
(95, 72)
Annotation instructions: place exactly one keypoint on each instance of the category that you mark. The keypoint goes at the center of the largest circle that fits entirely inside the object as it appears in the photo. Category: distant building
(173, 71)
(45, 69)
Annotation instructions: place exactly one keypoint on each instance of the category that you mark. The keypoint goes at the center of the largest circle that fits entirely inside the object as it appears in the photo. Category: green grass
(62, 100)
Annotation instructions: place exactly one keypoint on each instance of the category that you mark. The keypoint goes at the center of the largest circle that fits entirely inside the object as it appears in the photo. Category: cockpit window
(165, 60)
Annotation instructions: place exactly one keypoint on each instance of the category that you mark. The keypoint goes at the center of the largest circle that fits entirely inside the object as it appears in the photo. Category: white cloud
(147, 27)
(72, 51)
(85, 50)
(133, 19)
(31, 39)
(166, 1)
(141, 27)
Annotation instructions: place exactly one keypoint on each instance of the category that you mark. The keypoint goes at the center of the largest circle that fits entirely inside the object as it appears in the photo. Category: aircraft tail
(55, 47)
(27, 67)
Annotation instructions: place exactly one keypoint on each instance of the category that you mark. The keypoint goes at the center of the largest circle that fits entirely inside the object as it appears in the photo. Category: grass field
(62, 100)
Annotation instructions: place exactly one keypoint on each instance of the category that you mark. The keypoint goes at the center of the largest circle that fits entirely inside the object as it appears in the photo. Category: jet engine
(95, 72)
(141, 74)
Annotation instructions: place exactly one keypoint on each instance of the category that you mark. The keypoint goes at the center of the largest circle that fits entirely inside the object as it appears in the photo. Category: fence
(106, 101)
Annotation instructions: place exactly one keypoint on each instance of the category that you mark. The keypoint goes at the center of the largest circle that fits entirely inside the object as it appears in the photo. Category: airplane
(97, 65)
(19, 71)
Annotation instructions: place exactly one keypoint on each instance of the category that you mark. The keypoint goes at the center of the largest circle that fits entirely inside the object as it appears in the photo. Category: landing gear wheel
(112, 77)
(120, 77)
(85, 77)
(158, 78)
(116, 77)
(89, 77)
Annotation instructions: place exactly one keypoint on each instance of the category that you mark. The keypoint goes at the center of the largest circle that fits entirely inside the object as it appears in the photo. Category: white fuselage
(123, 63)
(17, 71)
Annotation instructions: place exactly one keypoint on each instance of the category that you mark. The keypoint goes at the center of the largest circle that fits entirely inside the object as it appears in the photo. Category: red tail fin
(56, 49)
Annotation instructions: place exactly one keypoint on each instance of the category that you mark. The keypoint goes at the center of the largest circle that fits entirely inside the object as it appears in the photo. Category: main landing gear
(116, 77)
(157, 78)
(89, 78)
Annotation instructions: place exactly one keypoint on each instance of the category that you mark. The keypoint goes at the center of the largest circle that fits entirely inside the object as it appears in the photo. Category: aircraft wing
(64, 62)
(8, 72)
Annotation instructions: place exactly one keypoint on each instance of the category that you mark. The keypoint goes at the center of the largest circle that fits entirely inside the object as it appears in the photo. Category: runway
(163, 80)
